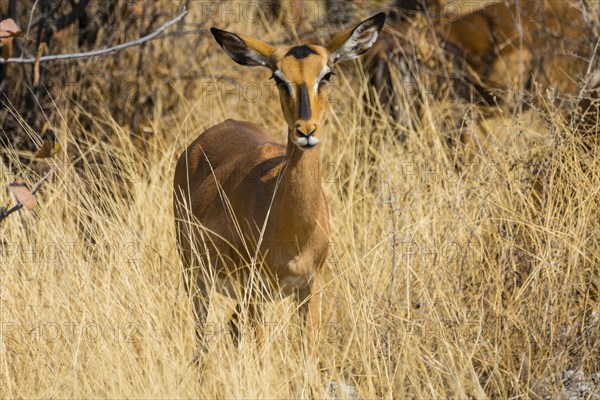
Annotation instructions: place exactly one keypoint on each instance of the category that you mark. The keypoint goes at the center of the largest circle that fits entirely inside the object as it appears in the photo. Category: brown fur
(250, 212)
(486, 60)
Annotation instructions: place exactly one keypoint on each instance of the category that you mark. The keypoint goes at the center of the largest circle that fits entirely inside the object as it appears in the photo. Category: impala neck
(299, 194)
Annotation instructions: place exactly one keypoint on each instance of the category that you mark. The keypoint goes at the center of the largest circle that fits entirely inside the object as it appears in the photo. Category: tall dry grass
(450, 275)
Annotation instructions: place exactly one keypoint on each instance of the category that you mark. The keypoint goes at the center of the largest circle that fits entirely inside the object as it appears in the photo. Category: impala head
(302, 72)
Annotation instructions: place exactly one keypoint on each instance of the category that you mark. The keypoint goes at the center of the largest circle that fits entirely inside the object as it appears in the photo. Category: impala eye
(279, 82)
(325, 79)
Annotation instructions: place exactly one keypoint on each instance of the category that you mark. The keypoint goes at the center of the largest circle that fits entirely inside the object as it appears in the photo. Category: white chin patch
(310, 141)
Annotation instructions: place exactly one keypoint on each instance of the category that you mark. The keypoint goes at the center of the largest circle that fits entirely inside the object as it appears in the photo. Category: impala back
(507, 54)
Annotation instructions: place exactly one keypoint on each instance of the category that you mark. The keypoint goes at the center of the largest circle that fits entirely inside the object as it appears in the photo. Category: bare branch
(100, 52)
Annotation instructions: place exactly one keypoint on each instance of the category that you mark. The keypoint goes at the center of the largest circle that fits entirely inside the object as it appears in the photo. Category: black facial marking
(304, 102)
(300, 52)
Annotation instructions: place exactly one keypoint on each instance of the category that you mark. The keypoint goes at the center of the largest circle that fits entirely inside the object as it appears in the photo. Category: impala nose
(305, 134)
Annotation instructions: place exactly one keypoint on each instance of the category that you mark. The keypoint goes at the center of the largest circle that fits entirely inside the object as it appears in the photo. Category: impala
(240, 195)
(541, 51)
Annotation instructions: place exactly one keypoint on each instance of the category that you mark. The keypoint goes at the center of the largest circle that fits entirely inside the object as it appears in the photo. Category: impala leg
(235, 325)
(309, 309)
(201, 303)
(194, 285)
(255, 315)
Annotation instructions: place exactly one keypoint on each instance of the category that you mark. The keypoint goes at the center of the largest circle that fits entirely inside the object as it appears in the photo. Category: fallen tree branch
(5, 213)
(100, 52)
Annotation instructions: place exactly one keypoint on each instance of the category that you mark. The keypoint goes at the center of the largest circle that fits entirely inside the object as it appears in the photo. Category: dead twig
(99, 52)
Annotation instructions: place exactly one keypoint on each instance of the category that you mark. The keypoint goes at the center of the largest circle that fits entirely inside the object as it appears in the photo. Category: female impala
(249, 211)
(542, 51)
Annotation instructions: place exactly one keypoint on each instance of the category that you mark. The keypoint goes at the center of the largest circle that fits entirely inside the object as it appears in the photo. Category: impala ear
(244, 50)
(356, 41)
